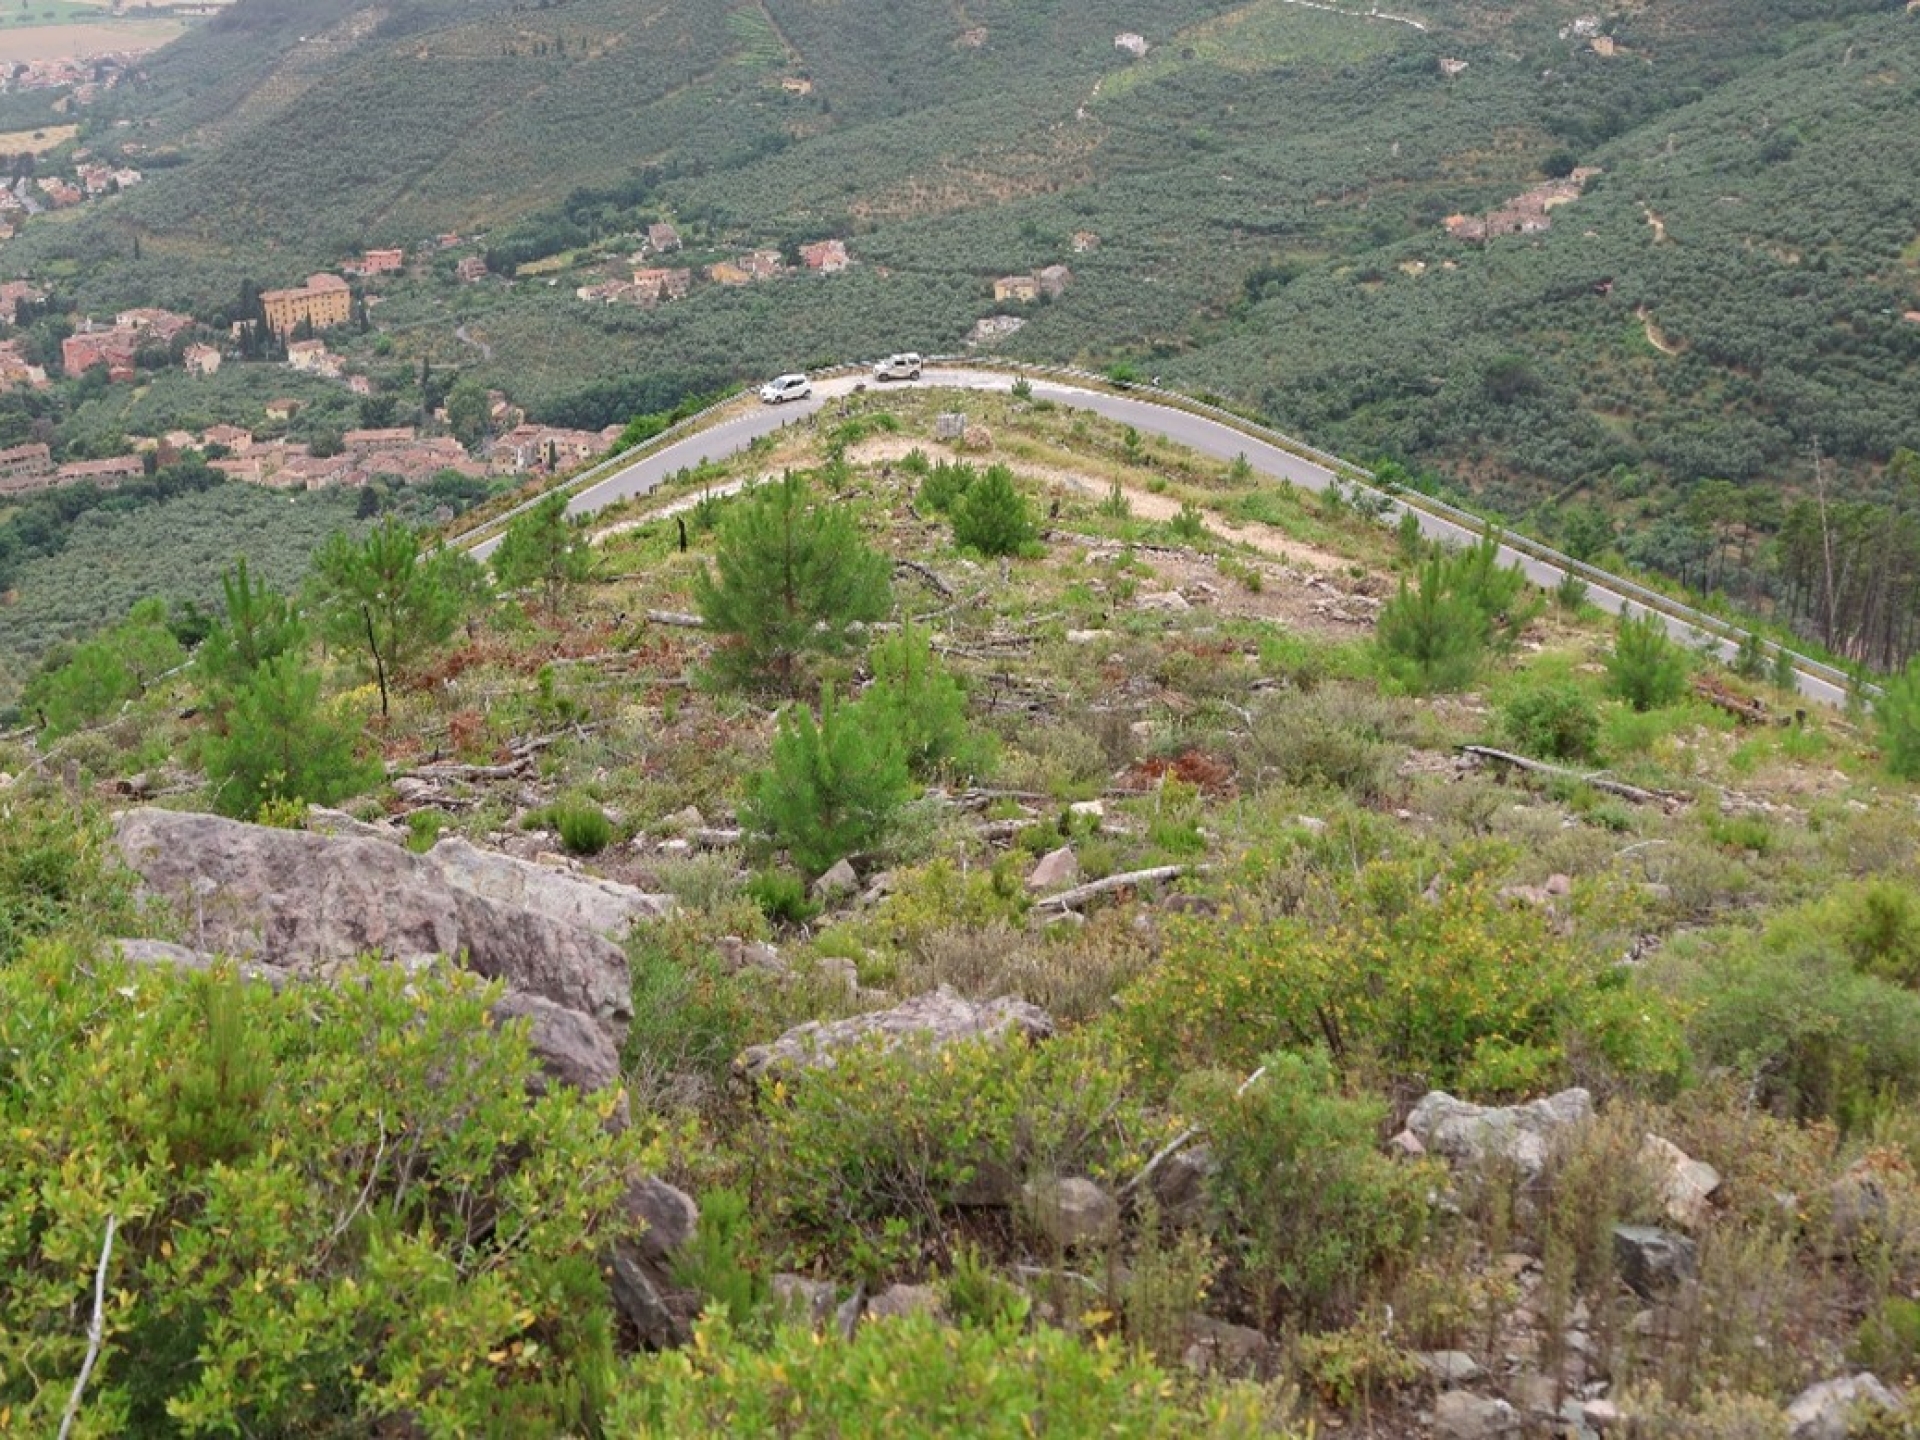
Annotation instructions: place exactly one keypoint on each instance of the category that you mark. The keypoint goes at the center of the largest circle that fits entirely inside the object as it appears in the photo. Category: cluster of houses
(86, 75)
(396, 453)
(654, 284)
(26, 195)
(1050, 281)
(1528, 213)
(25, 469)
(117, 346)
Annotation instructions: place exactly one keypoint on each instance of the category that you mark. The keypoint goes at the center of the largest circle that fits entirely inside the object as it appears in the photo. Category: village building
(365, 442)
(829, 257)
(161, 325)
(25, 467)
(108, 474)
(543, 448)
(658, 284)
(114, 348)
(473, 268)
(1053, 280)
(1016, 288)
(662, 237)
(236, 440)
(15, 371)
(725, 272)
(1134, 45)
(311, 357)
(382, 262)
(283, 409)
(1085, 240)
(200, 359)
(15, 293)
(324, 301)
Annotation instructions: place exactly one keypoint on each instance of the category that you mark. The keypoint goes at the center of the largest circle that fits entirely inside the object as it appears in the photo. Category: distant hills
(1267, 192)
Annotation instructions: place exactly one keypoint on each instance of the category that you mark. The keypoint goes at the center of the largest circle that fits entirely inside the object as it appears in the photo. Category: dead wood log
(1079, 895)
(1560, 772)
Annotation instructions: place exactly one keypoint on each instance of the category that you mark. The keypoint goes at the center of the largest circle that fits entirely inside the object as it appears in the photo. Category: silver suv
(904, 366)
(786, 387)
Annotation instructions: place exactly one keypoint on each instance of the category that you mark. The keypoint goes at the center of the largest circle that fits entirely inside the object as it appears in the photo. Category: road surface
(734, 428)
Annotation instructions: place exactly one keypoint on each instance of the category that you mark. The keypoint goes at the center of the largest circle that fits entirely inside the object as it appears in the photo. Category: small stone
(1087, 637)
(841, 879)
(1070, 1211)
(1180, 1185)
(1168, 601)
(1600, 1414)
(1406, 1146)
(685, 820)
(1057, 870)
(1535, 1393)
(897, 1301)
(1824, 1411)
(1559, 885)
(1462, 1415)
(1449, 1367)
(1088, 809)
(1686, 1185)
(1652, 1260)
(1222, 1348)
(801, 1298)
(1312, 824)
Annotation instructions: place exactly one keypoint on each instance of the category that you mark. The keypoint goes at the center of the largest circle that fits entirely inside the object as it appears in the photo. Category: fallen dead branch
(1079, 895)
(1560, 772)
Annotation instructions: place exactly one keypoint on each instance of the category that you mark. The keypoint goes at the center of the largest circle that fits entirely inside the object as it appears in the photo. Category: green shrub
(992, 516)
(1897, 718)
(782, 897)
(900, 1135)
(1556, 719)
(285, 1261)
(1315, 1206)
(584, 827)
(1466, 990)
(1190, 524)
(423, 829)
(58, 872)
(1429, 637)
(1645, 668)
(918, 699)
(716, 1261)
(1805, 1011)
(788, 579)
(945, 485)
(281, 743)
(917, 1378)
(830, 789)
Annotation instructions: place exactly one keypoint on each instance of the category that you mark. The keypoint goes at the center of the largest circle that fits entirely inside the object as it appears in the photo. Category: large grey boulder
(1651, 1260)
(932, 1021)
(1070, 1211)
(606, 907)
(659, 1309)
(1519, 1135)
(1825, 1411)
(308, 903)
(1686, 1185)
(1462, 1415)
(159, 954)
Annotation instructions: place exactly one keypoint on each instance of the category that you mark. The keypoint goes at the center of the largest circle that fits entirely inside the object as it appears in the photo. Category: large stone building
(323, 301)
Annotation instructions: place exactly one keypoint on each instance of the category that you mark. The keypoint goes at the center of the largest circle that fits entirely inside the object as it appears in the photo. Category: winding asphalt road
(733, 429)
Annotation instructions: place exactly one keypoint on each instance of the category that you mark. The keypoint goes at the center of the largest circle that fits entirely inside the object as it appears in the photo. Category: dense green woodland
(1284, 906)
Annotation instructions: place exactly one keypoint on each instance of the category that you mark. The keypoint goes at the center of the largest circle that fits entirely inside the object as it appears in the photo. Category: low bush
(1315, 1207)
(584, 827)
(313, 1193)
(992, 516)
(1645, 668)
(1466, 990)
(918, 1377)
(1556, 719)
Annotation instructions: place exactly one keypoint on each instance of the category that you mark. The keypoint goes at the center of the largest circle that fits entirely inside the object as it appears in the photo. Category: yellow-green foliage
(917, 1379)
(335, 1207)
(900, 1134)
(1464, 989)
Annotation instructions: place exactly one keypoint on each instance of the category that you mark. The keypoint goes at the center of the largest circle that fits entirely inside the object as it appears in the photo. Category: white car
(904, 366)
(786, 387)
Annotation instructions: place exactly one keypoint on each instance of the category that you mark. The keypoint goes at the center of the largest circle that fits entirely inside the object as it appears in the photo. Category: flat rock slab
(1520, 1135)
(930, 1021)
(308, 903)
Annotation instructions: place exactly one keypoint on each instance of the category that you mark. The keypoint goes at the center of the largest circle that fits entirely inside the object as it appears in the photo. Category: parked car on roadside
(904, 366)
(786, 387)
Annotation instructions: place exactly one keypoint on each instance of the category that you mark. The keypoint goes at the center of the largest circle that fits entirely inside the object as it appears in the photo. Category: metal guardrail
(1343, 470)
